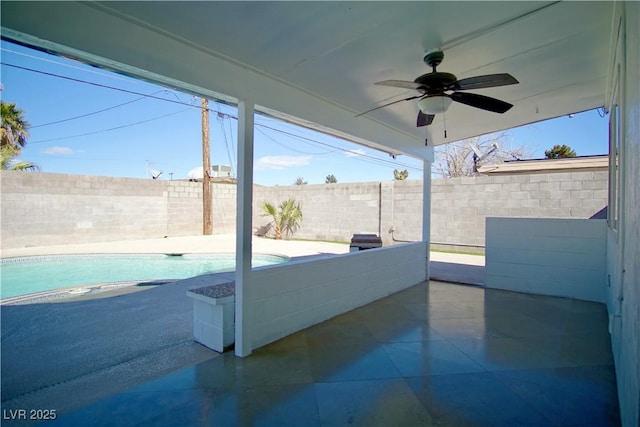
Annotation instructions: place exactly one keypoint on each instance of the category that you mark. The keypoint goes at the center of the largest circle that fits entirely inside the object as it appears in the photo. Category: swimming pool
(27, 275)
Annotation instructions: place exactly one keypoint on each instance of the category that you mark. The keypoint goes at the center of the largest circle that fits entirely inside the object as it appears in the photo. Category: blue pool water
(22, 276)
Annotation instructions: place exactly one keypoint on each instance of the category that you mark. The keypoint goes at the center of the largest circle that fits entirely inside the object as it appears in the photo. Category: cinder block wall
(184, 208)
(338, 211)
(331, 211)
(49, 209)
(223, 208)
(40, 209)
(460, 206)
(405, 207)
(46, 209)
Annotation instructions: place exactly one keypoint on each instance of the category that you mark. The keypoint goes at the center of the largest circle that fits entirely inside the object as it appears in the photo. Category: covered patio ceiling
(315, 63)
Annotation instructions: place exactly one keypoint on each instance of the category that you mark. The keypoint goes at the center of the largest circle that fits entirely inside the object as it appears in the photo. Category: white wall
(624, 245)
(296, 295)
(548, 256)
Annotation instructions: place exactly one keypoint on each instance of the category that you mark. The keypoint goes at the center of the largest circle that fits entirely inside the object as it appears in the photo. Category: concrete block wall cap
(219, 291)
(212, 301)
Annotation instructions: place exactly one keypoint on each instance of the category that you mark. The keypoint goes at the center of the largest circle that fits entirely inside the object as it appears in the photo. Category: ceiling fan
(432, 88)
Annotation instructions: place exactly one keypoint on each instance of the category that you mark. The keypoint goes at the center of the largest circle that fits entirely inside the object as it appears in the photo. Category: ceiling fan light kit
(434, 104)
(432, 88)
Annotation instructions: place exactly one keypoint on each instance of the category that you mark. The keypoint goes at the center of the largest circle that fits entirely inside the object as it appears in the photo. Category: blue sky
(85, 126)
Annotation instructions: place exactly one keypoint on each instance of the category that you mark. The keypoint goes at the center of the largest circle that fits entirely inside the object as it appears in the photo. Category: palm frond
(268, 209)
(8, 161)
(24, 166)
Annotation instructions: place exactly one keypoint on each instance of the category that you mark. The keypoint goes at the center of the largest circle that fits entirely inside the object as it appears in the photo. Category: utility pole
(207, 225)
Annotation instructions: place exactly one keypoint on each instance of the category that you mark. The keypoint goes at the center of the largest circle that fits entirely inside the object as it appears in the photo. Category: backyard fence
(47, 209)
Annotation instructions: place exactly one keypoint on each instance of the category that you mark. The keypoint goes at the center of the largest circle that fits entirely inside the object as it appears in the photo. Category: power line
(91, 113)
(103, 74)
(98, 84)
(110, 129)
(293, 149)
(395, 163)
(360, 156)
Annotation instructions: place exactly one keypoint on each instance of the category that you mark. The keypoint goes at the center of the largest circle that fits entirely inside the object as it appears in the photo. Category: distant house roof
(574, 164)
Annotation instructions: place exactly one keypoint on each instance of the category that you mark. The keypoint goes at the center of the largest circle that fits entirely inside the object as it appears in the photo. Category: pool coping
(68, 292)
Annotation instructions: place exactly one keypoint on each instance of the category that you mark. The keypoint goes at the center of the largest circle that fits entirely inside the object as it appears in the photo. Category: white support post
(244, 210)
(426, 208)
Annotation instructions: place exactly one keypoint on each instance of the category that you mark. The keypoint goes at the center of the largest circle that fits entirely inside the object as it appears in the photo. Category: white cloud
(355, 153)
(195, 173)
(58, 151)
(281, 162)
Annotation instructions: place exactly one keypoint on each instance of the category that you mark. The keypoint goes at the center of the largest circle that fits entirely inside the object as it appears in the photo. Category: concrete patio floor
(435, 354)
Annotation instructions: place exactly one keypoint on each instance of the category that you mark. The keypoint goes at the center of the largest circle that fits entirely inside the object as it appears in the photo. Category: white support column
(426, 207)
(244, 203)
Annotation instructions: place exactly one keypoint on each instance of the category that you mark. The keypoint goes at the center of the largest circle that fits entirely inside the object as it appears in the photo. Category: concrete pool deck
(92, 346)
(220, 243)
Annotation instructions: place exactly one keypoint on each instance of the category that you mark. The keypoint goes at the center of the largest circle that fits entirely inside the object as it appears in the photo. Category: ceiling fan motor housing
(436, 81)
(433, 57)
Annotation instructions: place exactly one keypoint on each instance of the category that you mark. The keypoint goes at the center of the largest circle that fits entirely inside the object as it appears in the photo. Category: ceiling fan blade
(424, 119)
(390, 103)
(481, 101)
(480, 82)
(400, 83)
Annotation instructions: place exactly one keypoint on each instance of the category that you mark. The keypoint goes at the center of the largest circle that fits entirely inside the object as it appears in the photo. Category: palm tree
(8, 160)
(14, 127)
(400, 175)
(285, 220)
(13, 136)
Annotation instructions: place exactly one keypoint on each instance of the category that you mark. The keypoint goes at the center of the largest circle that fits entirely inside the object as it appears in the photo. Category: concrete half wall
(548, 256)
(288, 298)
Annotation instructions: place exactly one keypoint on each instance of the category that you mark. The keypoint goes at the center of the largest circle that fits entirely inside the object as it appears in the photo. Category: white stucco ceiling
(316, 62)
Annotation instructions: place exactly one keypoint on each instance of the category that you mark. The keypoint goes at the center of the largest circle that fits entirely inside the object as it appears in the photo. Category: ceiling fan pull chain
(444, 122)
